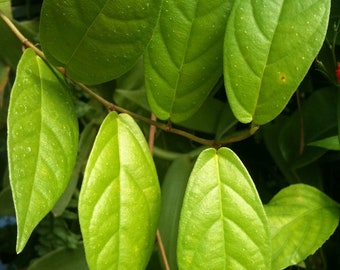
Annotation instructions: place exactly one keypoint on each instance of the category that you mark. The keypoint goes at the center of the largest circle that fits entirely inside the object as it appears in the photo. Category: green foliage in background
(241, 170)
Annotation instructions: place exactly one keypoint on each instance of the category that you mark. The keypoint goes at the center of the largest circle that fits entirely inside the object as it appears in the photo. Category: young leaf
(269, 47)
(97, 41)
(119, 200)
(222, 224)
(301, 218)
(183, 60)
(42, 142)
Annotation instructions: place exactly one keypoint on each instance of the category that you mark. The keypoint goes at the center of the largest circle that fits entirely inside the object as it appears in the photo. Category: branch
(113, 107)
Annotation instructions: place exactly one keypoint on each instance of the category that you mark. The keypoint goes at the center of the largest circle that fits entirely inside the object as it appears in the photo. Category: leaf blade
(183, 60)
(113, 33)
(120, 197)
(173, 189)
(329, 143)
(219, 203)
(42, 142)
(269, 47)
(299, 214)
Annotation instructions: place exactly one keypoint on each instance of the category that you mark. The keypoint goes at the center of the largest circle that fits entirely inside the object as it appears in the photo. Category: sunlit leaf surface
(222, 224)
(269, 47)
(184, 59)
(42, 142)
(119, 201)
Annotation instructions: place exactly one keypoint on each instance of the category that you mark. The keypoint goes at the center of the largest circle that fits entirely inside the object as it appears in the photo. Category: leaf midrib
(85, 35)
(182, 61)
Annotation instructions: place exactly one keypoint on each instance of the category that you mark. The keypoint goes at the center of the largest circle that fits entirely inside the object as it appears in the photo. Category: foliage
(240, 169)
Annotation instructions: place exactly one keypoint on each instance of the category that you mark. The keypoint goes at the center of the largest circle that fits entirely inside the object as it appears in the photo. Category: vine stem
(113, 107)
(152, 135)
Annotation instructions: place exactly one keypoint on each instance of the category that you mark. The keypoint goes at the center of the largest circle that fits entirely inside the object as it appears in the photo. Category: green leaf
(173, 189)
(183, 61)
(136, 96)
(206, 119)
(226, 122)
(269, 47)
(86, 140)
(42, 142)
(10, 46)
(119, 200)
(222, 224)
(330, 143)
(61, 259)
(315, 126)
(97, 41)
(301, 218)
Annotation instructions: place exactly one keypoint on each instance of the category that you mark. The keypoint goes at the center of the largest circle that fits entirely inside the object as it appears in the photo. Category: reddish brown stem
(152, 135)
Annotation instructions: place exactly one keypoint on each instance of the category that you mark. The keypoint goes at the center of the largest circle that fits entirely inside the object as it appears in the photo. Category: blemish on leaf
(282, 78)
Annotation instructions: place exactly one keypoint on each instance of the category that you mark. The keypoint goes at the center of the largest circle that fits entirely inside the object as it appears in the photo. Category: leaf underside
(119, 201)
(42, 142)
(219, 204)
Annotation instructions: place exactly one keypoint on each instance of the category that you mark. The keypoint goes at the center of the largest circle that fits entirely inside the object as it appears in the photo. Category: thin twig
(152, 135)
(113, 107)
(162, 250)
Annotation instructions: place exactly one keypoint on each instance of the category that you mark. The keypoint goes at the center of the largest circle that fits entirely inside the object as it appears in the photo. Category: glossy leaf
(269, 47)
(184, 59)
(220, 203)
(97, 41)
(119, 201)
(173, 189)
(42, 142)
(301, 218)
